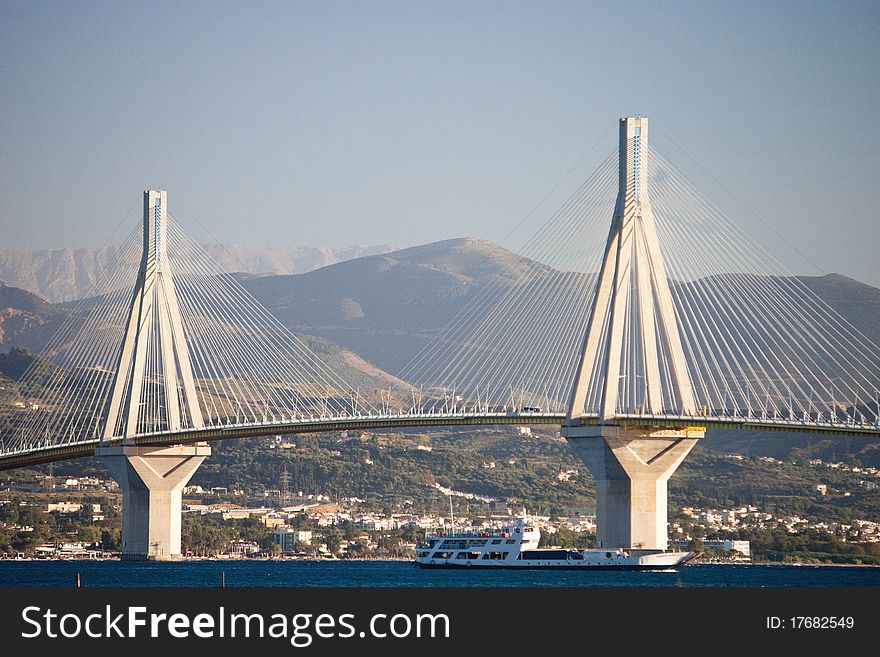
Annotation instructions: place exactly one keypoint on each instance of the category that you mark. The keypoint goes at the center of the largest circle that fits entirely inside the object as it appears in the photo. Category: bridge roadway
(51, 453)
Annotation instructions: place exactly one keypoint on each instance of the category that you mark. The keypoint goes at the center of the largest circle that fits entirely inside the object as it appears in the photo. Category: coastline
(278, 559)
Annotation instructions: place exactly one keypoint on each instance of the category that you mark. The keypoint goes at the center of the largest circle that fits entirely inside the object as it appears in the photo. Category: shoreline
(220, 560)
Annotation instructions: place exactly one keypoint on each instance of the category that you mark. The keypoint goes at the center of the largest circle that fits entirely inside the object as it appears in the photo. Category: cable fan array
(516, 343)
(246, 366)
(60, 398)
(758, 342)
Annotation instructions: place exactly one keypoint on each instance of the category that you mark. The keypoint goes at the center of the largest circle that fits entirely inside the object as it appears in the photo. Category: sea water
(301, 573)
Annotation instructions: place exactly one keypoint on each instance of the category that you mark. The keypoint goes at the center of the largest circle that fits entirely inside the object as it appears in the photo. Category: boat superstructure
(516, 546)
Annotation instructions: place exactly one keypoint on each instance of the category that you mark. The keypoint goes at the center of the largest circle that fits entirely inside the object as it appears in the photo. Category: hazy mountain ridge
(26, 320)
(387, 307)
(66, 274)
(857, 302)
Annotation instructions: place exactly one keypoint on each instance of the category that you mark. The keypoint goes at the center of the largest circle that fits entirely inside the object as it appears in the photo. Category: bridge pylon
(632, 332)
(153, 390)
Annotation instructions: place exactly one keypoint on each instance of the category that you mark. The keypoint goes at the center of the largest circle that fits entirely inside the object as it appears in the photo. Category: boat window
(510, 541)
(496, 541)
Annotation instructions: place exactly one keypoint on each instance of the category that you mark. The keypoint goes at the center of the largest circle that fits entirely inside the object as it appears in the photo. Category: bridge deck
(82, 449)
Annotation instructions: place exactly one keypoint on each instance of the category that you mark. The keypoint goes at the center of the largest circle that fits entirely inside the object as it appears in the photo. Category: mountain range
(67, 274)
(388, 307)
(384, 308)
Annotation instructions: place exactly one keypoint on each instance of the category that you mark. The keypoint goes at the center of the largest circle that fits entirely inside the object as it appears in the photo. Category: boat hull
(655, 561)
(537, 567)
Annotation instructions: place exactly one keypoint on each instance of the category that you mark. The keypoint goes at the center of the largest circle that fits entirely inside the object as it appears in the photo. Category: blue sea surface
(291, 573)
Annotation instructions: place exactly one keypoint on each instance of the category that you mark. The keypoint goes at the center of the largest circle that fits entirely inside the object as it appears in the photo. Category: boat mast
(451, 515)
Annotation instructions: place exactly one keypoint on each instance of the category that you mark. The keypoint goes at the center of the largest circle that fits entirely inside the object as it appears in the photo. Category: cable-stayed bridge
(634, 339)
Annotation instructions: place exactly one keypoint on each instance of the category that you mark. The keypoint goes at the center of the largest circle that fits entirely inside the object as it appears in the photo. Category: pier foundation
(152, 481)
(631, 467)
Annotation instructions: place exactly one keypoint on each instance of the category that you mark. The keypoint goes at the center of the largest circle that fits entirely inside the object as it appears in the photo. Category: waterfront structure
(632, 462)
(289, 538)
(152, 477)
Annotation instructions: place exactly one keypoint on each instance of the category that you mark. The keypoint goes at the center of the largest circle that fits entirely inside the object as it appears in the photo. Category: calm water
(399, 573)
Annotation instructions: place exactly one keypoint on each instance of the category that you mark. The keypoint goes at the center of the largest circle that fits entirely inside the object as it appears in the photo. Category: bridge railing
(229, 428)
(736, 418)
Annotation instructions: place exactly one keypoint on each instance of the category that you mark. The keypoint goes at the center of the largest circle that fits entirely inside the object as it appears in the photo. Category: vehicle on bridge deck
(517, 547)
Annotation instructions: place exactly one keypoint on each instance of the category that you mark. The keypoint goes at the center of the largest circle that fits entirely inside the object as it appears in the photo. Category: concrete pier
(631, 468)
(152, 481)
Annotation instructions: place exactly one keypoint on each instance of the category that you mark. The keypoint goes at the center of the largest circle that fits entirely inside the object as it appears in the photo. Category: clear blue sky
(407, 122)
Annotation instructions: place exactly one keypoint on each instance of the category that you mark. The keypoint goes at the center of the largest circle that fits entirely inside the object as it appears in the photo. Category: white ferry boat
(517, 547)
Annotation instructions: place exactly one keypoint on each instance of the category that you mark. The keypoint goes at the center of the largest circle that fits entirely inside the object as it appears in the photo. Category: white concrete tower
(154, 315)
(633, 262)
(142, 401)
(632, 462)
